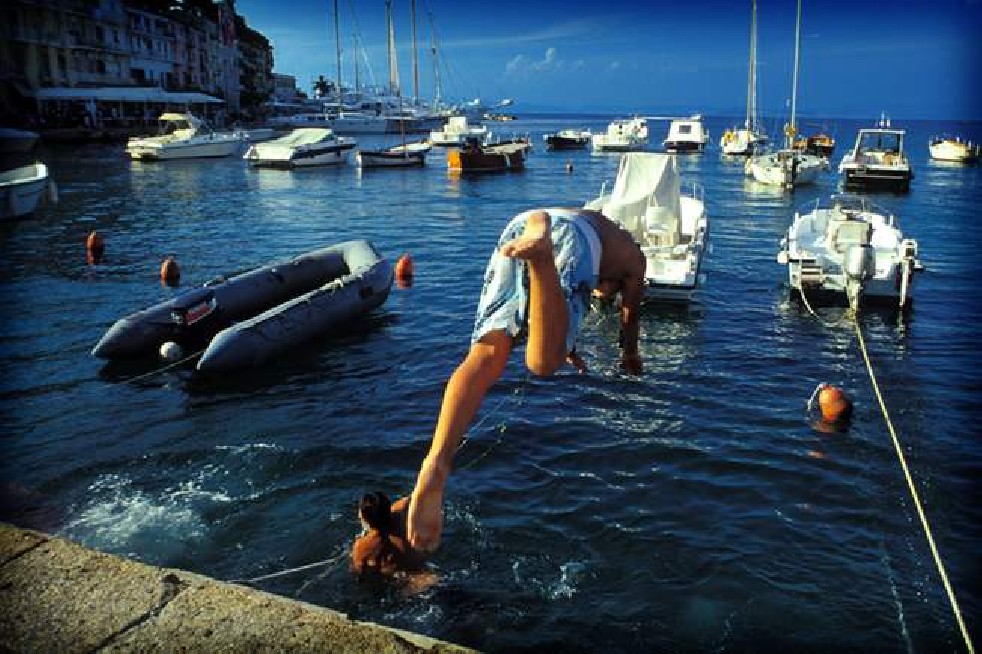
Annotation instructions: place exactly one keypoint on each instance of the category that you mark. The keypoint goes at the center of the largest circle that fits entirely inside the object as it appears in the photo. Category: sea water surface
(696, 507)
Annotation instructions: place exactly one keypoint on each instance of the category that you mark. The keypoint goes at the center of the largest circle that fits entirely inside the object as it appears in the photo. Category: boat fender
(835, 406)
(171, 351)
(94, 247)
(404, 271)
(170, 272)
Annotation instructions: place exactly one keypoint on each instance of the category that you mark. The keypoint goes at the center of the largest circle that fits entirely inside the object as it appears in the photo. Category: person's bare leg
(548, 316)
(482, 367)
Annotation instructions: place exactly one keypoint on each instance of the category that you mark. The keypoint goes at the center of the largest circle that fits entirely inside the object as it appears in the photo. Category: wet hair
(376, 509)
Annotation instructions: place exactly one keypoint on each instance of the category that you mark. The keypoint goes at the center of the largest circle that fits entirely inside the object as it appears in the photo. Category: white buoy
(171, 351)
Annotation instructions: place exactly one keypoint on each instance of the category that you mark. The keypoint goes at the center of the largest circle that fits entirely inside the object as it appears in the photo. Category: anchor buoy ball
(404, 271)
(835, 406)
(171, 351)
(170, 272)
(94, 244)
(569, 166)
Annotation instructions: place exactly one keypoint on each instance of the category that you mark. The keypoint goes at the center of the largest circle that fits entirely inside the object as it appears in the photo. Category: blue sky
(910, 58)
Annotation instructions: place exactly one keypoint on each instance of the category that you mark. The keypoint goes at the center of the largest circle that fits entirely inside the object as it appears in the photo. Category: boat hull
(876, 178)
(383, 159)
(21, 189)
(492, 159)
(554, 142)
(330, 155)
(217, 148)
(249, 318)
(685, 147)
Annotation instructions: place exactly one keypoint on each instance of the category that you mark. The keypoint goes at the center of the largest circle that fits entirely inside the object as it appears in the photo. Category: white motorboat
(567, 139)
(788, 167)
(622, 136)
(457, 131)
(22, 188)
(258, 134)
(686, 135)
(17, 140)
(877, 160)
(746, 140)
(184, 136)
(306, 146)
(846, 247)
(953, 148)
(671, 228)
(398, 156)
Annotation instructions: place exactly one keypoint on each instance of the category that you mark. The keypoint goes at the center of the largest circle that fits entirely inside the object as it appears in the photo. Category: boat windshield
(878, 141)
(847, 204)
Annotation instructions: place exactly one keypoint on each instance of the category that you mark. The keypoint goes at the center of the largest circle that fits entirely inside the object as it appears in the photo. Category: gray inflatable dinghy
(244, 320)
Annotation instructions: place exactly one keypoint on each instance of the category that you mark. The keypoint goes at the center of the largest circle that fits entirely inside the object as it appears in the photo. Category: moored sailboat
(748, 139)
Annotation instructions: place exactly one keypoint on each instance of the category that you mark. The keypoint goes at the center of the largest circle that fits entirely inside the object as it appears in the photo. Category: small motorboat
(17, 140)
(457, 131)
(245, 320)
(845, 247)
(953, 148)
(670, 227)
(22, 188)
(305, 146)
(183, 136)
(686, 135)
(398, 156)
(877, 161)
(622, 136)
(820, 145)
(474, 157)
(568, 139)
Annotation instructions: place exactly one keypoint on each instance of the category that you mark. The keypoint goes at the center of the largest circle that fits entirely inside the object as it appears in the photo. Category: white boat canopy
(124, 94)
(647, 184)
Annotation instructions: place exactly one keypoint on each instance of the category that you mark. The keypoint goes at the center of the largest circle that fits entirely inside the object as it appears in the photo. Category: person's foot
(424, 522)
(535, 242)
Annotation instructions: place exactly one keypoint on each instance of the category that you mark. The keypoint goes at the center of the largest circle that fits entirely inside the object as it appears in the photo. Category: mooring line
(913, 491)
(163, 369)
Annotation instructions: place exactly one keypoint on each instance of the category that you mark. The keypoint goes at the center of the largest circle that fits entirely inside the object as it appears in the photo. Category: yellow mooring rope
(913, 492)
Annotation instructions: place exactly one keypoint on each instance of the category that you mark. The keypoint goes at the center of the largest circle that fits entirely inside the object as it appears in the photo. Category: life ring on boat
(789, 130)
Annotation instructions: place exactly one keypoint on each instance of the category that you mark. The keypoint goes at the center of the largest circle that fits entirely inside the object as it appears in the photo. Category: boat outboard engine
(858, 265)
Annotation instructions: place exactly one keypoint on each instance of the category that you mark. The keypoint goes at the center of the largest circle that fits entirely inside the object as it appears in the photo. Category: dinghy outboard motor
(858, 265)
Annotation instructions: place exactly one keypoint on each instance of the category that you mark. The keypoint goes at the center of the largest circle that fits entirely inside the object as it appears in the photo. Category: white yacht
(622, 136)
(848, 248)
(22, 188)
(747, 140)
(183, 137)
(457, 131)
(686, 135)
(788, 167)
(953, 148)
(877, 161)
(306, 146)
(670, 227)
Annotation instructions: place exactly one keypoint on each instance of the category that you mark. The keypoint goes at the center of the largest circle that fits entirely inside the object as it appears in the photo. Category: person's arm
(632, 293)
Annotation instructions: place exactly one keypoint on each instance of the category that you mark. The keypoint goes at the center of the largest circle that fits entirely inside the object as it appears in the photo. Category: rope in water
(163, 369)
(913, 491)
(334, 560)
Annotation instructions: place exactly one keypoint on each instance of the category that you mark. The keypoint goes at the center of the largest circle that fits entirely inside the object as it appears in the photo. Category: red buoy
(170, 272)
(835, 406)
(404, 271)
(94, 247)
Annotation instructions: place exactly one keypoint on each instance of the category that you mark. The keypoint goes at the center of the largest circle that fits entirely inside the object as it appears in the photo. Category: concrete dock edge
(58, 596)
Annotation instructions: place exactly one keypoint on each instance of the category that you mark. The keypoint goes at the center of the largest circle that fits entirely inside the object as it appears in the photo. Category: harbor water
(697, 507)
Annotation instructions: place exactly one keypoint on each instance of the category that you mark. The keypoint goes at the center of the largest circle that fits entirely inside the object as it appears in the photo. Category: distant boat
(686, 135)
(878, 161)
(670, 227)
(622, 136)
(748, 139)
(183, 136)
(22, 188)
(473, 156)
(456, 131)
(820, 145)
(568, 139)
(849, 249)
(398, 156)
(246, 320)
(788, 167)
(953, 148)
(306, 146)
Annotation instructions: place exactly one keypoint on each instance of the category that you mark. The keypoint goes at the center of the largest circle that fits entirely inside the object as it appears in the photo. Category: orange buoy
(834, 405)
(170, 272)
(404, 271)
(94, 246)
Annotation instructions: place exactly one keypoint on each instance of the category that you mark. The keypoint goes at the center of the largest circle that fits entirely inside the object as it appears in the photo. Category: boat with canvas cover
(670, 227)
(306, 146)
(22, 188)
(248, 319)
(183, 136)
(847, 248)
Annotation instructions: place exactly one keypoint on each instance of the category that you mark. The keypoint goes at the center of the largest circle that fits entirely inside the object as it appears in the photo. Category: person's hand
(631, 364)
(576, 361)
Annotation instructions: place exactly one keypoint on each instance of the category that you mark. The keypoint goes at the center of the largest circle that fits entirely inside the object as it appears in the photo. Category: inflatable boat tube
(244, 320)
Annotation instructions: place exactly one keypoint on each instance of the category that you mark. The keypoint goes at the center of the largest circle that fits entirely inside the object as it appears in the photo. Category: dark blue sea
(696, 508)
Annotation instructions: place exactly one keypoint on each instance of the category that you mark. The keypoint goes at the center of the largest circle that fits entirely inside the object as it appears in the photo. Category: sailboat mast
(794, 85)
(436, 64)
(415, 56)
(751, 123)
(354, 48)
(393, 63)
(337, 41)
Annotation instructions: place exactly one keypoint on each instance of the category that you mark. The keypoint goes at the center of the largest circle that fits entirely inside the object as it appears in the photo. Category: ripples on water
(695, 508)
